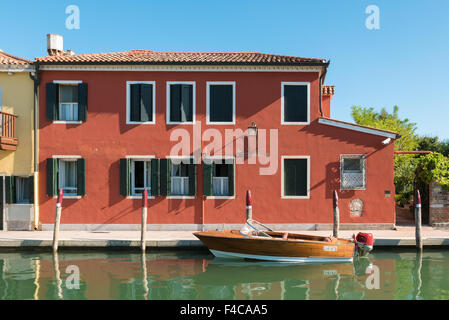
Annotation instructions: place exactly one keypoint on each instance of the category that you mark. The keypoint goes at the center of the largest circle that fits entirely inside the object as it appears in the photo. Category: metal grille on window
(353, 172)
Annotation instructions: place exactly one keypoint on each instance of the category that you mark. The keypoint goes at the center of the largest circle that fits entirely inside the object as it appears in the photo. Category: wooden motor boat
(252, 243)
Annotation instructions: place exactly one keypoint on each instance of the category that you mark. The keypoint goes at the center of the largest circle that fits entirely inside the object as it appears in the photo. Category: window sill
(177, 123)
(140, 122)
(220, 123)
(220, 197)
(181, 197)
(68, 197)
(286, 123)
(139, 197)
(348, 189)
(67, 122)
(295, 197)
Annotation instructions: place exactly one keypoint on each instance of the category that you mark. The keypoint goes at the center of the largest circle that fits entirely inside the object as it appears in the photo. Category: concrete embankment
(403, 237)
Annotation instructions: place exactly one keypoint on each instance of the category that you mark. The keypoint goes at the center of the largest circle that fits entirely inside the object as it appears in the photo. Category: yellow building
(16, 143)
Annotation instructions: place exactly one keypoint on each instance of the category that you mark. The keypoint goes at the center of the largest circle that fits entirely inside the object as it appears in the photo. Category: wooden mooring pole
(249, 205)
(143, 229)
(336, 214)
(57, 221)
(419, 245)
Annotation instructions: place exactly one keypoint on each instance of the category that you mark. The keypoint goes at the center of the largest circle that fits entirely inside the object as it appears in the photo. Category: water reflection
(197, 275)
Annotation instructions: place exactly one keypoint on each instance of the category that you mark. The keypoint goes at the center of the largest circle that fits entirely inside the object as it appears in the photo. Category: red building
(111, 124)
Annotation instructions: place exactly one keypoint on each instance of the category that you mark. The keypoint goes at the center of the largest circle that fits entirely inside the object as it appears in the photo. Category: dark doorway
(1, 202)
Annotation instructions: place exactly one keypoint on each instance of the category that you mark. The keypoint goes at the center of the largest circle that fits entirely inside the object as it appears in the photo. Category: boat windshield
(246, 230)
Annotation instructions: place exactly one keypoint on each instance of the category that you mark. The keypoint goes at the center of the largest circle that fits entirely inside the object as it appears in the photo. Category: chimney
(328, 92)
(55, 45)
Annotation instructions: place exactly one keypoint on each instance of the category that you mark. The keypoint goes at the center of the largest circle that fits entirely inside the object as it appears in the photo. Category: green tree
(433, 144)
(404, 165)
(434, 167)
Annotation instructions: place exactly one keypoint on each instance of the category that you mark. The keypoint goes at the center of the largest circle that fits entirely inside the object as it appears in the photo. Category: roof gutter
(183, 63)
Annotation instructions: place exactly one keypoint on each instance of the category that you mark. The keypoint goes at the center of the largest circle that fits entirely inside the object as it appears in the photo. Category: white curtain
(68, 111)
(220, 186)
(22, 190)
(67, 176)
(179, 185)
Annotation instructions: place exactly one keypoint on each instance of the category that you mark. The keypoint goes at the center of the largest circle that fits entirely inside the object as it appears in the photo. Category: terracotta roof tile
(9, 59)
(150, 57)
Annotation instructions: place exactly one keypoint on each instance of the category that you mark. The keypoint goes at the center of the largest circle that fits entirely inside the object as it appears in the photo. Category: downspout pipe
(322, 77)
(36, 79)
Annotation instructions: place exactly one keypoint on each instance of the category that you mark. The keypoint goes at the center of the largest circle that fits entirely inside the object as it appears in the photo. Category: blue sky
(403, 63)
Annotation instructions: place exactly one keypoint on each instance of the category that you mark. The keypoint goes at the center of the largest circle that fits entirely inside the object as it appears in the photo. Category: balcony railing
(8, 138)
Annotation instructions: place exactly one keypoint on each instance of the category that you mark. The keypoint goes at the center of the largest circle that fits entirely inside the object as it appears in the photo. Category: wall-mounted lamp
(252, 129)
(386, 141)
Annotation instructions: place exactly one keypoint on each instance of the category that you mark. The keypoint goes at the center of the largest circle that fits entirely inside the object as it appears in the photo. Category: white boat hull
(233, 255)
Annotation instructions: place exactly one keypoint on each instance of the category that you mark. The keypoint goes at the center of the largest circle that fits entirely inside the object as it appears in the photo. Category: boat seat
(285, 236)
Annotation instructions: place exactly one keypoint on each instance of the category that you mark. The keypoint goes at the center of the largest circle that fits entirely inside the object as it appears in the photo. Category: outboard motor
(364, 243)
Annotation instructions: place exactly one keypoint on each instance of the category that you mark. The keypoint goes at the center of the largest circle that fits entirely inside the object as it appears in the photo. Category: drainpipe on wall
(36, 79)
(322, 77)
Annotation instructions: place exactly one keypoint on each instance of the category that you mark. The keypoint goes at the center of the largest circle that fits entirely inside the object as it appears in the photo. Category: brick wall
(439, 205)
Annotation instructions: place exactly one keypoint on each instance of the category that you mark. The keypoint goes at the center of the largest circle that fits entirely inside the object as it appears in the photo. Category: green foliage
(409, 169)
(404, 165)
(388, 121)
(434, 167)
(433, 144)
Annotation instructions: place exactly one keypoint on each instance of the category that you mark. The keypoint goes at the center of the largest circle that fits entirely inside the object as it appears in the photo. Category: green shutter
(192, 179)
(52, 101)
(81, 177)
(231, 168)
(221, 103)
(175, 102)
(207, 178)
(30, 182)
(155, 176)
(10, 190)
(52, 175)
(295, 177)
(82, 102)
(135, 102)
(165, 177)
(186, 103)
(125, 181)
(295, 103)
(146, 102)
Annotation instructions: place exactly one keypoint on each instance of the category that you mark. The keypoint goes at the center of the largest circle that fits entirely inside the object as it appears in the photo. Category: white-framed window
(140, 102)
(68, 102)
(353, 172)
(67, 176)
(140, 176)
(181, 102)
(295, 177)
(179, 184)
(295, 103)
(220, 102)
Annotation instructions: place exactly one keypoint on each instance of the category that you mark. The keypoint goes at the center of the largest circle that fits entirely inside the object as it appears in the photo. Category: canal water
(384, 274)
